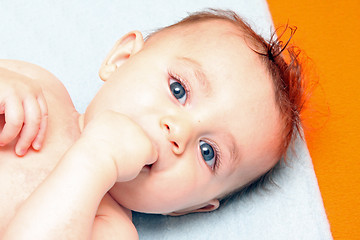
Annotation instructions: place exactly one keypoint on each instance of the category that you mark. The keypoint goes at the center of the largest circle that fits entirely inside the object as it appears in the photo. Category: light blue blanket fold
(71, 38)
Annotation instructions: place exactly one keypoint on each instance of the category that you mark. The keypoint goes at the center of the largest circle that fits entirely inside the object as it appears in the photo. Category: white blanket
(71, 38)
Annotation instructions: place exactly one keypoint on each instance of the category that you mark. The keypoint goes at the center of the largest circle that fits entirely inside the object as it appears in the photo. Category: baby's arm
(24, 106)
(112, 148)
(113, 221)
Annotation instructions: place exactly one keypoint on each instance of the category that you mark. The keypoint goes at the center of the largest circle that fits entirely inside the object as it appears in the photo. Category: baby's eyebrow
(234, 151)
(198, 72)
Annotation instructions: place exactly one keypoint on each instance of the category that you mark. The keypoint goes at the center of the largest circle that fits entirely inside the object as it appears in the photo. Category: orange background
(329, 34)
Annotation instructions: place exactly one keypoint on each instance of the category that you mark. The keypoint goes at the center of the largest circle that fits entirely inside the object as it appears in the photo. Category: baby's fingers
(14, 118)
(31, 126)
(37, 143)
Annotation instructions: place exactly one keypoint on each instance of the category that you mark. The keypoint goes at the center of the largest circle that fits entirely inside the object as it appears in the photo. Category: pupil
(177, 89)
(206, 151)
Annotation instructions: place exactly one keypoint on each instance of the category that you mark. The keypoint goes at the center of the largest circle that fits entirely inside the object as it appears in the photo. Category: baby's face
(207, 103)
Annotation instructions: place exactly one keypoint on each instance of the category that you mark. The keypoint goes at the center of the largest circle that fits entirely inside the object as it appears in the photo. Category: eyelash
(187, 88)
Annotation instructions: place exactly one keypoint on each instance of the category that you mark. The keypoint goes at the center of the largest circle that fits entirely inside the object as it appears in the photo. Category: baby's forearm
(65, 204)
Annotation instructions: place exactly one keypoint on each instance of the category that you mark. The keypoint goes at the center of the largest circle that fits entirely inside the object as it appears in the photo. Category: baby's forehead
(210, 26)
(211, 30)
(214, 39)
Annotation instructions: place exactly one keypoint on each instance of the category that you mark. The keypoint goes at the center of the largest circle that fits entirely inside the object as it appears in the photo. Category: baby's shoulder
(55, 93)
(46, 80)
(25, 68)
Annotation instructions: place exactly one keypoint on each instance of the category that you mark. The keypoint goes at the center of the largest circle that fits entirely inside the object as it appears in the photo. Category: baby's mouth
(146, 168)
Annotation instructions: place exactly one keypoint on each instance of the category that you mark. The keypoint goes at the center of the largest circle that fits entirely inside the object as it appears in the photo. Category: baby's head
(219, 103)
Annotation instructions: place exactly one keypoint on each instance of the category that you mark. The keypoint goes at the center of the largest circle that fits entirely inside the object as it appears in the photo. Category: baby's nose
(178, 132)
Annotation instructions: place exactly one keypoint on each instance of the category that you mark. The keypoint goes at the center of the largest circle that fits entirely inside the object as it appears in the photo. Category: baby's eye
(208, 153)
(178, 90)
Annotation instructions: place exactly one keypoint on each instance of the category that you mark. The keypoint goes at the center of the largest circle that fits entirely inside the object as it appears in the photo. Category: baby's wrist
(94, 162)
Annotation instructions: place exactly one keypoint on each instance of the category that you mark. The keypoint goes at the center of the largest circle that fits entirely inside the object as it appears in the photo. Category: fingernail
(36, 146)
(20, 152)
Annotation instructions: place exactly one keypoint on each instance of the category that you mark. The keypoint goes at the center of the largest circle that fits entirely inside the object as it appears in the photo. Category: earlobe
(125, 47)
(106, 71)
(206, 207)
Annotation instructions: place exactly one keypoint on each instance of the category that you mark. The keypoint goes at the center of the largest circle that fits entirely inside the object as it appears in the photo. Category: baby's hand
(25, 111)
(121, 142)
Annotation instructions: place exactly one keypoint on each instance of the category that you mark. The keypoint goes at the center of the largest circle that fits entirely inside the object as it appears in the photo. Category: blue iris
(207, 153)
(178, 91)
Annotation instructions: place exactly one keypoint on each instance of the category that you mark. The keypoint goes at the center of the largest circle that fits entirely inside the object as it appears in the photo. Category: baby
(198, 111)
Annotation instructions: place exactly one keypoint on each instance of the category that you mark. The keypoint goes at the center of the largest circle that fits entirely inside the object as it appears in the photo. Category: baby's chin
(142, 204)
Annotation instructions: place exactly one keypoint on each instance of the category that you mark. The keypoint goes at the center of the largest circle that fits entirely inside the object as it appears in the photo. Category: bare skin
(28, 171)
(130, 126)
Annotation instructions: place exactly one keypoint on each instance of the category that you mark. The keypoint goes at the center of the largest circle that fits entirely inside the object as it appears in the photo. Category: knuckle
(11, 91)
(26, 88)
(31, 88)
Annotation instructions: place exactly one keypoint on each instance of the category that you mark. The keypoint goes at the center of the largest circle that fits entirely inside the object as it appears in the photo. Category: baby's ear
(205, 207)
(124, 48)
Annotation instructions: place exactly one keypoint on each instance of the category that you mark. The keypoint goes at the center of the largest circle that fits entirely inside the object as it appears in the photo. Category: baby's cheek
(179, 184)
